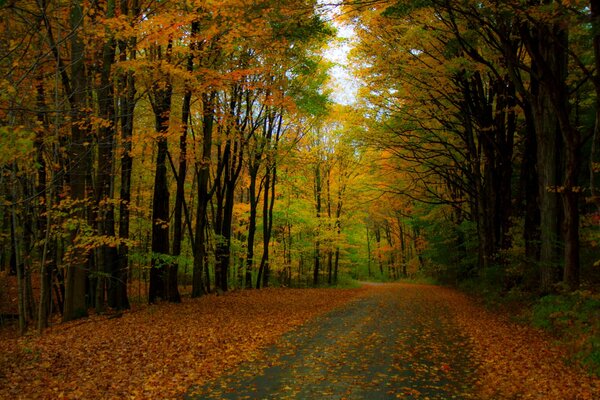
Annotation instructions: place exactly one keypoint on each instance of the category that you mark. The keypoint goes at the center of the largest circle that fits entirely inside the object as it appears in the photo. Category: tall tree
(160, 98)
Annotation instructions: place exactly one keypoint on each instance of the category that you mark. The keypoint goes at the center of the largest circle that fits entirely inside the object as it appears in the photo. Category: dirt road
(397, 342)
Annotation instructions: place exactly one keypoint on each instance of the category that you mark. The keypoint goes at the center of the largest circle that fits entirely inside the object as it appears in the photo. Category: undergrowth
(575, 319)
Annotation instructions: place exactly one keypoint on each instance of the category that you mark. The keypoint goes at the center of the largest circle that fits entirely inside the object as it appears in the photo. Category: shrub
(574, 317)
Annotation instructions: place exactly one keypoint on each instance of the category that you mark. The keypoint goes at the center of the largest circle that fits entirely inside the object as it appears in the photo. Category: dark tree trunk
(232, 163)
(161, 104)
(47, 263)
(378, 241)
(75, 301)
(200, 286)
(402, 237)
(173, 289)
(264, 262)
(546, 46)
(368, 252)
(108, 255)
(329, 247)
(223, 250)
(270, 200)
(338, 228)
(253, 198)
(269, 191)
(317, 256)
(530, 190)
(127, 93)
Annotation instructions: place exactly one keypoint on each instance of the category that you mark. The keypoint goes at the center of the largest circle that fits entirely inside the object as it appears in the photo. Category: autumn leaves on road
(377, 342)
(407, 341)
(391, 343)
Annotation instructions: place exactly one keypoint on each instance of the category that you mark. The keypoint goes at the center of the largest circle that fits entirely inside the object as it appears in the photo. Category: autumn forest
(159, 151)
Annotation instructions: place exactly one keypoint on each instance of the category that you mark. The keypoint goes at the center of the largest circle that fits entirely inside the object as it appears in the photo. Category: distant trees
(467, 94)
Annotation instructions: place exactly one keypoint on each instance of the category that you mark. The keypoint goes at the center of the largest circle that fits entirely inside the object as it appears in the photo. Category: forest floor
(380, 341)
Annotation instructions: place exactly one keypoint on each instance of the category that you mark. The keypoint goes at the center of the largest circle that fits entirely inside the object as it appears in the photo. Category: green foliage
(17, 144)
(301, 31)
(420, 279)
(574, 317)
(346, 282)
(452, 249)
(560, 312)
(310, 75)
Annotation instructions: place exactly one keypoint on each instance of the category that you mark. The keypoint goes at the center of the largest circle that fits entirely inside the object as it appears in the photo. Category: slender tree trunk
(338, 228)
(269, 221)
(232, 162)
(199, 287)
(269, 192)
(127, 94)
(17, 255)
(253, 172)
(403, 258)
(43, 222)
(108, 265)
(378, 241)
(224, 245)
(317, 256)
(530, 189)
(264, 261)
(368, 252)
(329, 247)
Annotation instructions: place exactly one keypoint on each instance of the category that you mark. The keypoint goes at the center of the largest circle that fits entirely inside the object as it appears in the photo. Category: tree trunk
(127, 94)
(108, 265)
(75, 304)
(159, 272)
(264, 261)
(202, 176)
(329, 247)
(530, 189)
(269, 192)
(317, 256)
(546, 46)
(253, 172)
(17, 256)
(47, 264)
(368, 252)
(269, 221)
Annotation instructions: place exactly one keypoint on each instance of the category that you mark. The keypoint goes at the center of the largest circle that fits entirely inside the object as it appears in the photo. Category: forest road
(398, 341)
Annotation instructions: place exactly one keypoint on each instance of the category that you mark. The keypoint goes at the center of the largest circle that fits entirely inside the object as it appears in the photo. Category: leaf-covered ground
(392, 344)
(407, 341)
(159, 351)
(392, 341)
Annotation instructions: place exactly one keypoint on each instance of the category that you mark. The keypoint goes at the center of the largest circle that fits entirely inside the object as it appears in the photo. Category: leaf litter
(161, 351)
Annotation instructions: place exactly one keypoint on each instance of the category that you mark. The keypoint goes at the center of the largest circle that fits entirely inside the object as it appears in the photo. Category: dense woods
(160, 149)
(487, 114)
